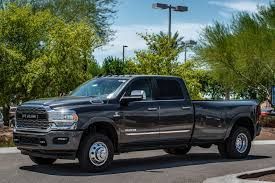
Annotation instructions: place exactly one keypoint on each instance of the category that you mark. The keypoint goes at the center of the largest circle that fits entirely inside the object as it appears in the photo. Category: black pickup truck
(115, 114)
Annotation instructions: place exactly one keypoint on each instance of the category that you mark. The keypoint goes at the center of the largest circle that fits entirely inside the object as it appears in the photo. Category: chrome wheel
(98, 153)
(241, 143)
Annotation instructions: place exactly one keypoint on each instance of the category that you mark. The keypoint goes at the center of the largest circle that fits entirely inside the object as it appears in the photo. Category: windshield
(101, 87)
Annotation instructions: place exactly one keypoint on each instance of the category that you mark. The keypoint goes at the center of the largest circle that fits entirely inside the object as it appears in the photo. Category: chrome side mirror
(139, 93)
(136, 95)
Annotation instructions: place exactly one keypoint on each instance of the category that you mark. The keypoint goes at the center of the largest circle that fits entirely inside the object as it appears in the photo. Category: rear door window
(169, 89)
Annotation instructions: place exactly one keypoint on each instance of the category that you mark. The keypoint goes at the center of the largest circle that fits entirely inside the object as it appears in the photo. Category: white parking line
(8, 150)
(263, 142)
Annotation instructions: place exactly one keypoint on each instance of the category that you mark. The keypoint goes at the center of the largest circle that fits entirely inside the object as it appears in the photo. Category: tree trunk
(227, 95)
(6, 110)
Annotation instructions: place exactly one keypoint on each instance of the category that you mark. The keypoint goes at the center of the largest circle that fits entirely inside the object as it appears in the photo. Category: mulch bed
(6, 137)
(269, 178)
(267, 134)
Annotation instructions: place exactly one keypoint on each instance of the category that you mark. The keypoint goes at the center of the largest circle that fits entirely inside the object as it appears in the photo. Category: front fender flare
(102, 120)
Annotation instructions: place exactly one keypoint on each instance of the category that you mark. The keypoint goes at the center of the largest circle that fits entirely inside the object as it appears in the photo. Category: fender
(102, 120)
(233, 122)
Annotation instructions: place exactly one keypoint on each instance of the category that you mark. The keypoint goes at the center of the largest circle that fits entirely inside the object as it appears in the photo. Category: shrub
(267, 121)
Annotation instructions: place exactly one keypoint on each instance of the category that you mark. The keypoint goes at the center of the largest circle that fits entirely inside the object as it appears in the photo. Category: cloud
(225, 14)
(127, 35)
(244, 5)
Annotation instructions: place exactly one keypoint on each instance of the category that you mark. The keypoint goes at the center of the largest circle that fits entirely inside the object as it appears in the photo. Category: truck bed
(214, 117)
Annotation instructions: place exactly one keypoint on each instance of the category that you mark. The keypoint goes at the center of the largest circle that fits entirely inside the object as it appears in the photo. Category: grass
(7, 145)
(6, 142)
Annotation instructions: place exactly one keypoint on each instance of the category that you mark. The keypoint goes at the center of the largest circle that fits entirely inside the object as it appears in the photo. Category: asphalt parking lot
(144, 166)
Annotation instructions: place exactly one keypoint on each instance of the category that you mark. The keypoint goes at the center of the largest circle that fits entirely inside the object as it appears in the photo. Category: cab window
(141, 84)
(169, 89)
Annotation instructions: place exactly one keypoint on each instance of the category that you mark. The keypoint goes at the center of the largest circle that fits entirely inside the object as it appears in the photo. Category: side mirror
(140, 93)
(136, 95)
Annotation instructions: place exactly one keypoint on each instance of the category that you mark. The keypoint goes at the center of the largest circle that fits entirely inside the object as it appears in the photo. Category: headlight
(63, 119)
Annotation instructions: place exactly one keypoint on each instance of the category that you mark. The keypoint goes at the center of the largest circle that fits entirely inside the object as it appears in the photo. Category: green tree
(161, 58)
(113, 65)
(161, 55)
(192, 76)
(94, 68)
(216, 50)
(41, 55)
(131, 67)
(211, 87)
(98, 13)
(241, 54)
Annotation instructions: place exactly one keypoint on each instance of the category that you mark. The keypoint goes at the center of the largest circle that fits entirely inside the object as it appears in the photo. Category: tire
(96, 153)
(238, 145)
(222, 150)
(42, 161)
(178, 151)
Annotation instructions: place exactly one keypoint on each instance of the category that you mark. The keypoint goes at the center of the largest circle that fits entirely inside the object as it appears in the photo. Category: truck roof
(136, 76)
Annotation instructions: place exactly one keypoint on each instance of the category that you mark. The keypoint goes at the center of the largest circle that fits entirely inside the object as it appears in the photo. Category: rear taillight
(263, 114)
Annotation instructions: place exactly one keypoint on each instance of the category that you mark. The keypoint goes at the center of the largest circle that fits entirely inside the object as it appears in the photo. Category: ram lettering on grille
(32, 117)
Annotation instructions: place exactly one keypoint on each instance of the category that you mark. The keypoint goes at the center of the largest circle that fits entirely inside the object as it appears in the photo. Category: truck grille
(32, 117)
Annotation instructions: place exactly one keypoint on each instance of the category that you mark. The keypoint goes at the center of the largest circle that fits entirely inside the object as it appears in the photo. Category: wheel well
(106, 129)
(246, 123)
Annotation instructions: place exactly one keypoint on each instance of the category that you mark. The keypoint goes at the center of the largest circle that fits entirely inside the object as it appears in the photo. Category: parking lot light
(170, 7)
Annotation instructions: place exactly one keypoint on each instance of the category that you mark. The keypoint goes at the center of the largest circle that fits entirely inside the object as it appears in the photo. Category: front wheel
(42, 161)
(96, 153)
(238, 144)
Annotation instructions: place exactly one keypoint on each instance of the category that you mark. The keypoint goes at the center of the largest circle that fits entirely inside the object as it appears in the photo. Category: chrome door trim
(185, 108)
(154, 133)
(152, 109)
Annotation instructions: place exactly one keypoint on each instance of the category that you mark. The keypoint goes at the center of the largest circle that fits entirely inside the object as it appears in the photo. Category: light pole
(170, 8)
(123, 52)
(188, 43)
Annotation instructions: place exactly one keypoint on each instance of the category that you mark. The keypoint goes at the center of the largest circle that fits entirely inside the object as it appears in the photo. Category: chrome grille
(32, 117)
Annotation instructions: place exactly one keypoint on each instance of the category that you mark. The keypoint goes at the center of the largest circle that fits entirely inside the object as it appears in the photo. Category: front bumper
(52, 144)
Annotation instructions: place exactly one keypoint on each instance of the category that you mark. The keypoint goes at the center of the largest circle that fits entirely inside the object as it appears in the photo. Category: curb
(263, 142)
(234, 178)
(8, 150)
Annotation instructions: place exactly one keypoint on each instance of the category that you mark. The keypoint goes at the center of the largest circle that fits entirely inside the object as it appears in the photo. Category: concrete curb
(8, 150)
(263, 142)
(234, 178)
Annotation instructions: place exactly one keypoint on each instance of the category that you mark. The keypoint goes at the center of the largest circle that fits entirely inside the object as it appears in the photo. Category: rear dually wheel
(238, 144)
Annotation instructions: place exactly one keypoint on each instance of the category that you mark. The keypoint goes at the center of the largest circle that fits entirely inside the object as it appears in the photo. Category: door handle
(208, 117)
(116, 115)
(152, 109)
(185, 108)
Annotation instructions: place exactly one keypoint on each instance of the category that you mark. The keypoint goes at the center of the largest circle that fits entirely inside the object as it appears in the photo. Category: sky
(138, 16)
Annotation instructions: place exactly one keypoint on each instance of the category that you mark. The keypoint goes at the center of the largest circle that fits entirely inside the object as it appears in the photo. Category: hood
(64, 101)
